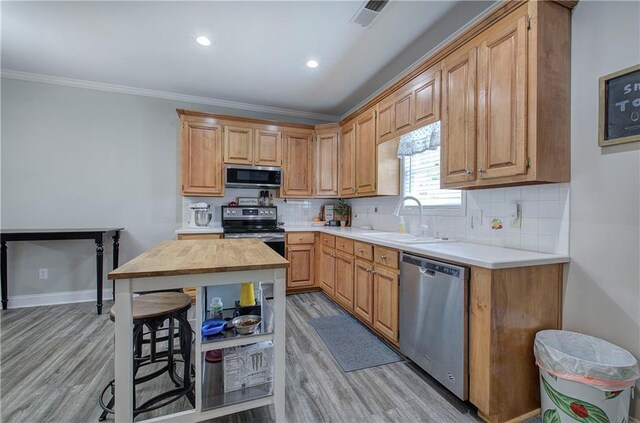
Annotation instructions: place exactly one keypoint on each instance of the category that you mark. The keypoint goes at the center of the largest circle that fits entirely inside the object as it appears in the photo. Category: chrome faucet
(400, 208)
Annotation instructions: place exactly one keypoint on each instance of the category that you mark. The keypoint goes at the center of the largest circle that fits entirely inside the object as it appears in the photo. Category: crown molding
(166, 95)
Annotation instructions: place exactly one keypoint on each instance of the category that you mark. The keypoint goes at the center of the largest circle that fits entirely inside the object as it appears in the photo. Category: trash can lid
(567, 353)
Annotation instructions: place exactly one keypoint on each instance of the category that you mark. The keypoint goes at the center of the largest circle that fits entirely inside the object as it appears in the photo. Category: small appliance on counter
(200, 215)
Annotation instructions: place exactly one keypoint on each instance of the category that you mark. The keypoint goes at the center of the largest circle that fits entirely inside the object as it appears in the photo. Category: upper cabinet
(326, 168)
(297, 171)
(505, 99)
(414, 105)
(267, 148)
(238, 145)
(366, 153)
(367, 168)
(201, 157)
(347, 161)
(458, 128)
(251, 145)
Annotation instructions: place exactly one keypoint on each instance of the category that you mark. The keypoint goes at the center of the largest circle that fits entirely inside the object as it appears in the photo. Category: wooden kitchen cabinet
(328, 271)
(365, 158)
(507, 308)
(517, 72)
(301, 270)
(297, 165)
(238, 145)
(458, 128)
(363, 290)
(502, 89)
(386, 297)
(347, 161)
(267, 148)
(201, 171)
(326, 169)
(411, 107)
(344, 279)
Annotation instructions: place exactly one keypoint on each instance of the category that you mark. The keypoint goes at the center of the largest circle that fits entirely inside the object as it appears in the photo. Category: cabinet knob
(383, 257)
(300, 239)
(480, 170)
(360, 250)
(469, 172)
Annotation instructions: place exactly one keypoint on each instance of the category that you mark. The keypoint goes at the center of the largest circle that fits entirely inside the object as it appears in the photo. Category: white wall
(602, 296)
(75, 157)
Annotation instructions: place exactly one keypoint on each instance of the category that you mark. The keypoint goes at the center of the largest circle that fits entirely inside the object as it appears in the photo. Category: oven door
(252, 176)
(273, 240)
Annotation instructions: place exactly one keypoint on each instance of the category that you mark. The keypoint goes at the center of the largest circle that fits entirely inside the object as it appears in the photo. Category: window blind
(421, 179)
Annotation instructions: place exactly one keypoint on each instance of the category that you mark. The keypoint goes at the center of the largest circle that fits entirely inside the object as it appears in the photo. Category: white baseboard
(34, 300)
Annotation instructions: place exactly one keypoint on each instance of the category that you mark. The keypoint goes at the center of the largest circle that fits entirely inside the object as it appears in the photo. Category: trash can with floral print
(583, 379)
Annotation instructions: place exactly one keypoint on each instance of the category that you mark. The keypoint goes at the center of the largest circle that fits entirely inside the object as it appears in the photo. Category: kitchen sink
(404, 238)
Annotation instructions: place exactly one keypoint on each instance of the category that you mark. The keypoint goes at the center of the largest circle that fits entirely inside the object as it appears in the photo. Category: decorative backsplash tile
(544, 214)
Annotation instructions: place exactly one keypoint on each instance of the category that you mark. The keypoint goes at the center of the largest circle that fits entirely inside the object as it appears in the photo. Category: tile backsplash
(544, 211)
(292, 212)
(544, 216)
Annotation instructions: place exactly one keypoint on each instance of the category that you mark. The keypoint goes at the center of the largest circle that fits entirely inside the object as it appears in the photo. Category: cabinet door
(327, 165)
(347, 159)
(426, 97)
(385, 307)
(298, 153)
(344, 279)
(267, 150)
(386, 116)
(403, 111)
(502, 90)
(238, 145)
(458, 127)
(366, 153)
(301, 269)
(363, 290)
(201, 159)
(328, 271)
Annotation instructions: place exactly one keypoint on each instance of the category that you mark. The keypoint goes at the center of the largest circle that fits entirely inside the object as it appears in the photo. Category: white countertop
(468, 253)
(205, 230)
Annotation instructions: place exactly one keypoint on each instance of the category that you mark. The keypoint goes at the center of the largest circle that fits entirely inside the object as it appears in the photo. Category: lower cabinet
(199, 236)
(385, 306)
(344, 279)
(363, 290)
(328, 271)
(301, 269)
(302, 258)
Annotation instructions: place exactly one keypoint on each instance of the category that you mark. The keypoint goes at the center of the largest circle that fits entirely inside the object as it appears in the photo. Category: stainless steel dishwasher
(434, 319)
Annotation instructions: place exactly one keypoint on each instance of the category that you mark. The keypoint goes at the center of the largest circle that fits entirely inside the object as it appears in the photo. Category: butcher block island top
(198, 256)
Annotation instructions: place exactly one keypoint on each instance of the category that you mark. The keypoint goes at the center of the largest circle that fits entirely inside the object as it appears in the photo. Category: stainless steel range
(254, 222)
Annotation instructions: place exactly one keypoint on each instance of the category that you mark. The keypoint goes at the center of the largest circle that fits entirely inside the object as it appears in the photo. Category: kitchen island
(199, 263)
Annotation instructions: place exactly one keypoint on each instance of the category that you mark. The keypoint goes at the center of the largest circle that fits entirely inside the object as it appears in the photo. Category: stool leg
(185, 347)
(171, 364)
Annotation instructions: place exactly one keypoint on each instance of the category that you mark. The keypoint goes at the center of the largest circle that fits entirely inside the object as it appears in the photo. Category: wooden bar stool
(151, 312)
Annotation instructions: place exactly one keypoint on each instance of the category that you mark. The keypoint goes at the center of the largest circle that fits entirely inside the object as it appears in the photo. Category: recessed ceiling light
(312, 64)
(203, 41)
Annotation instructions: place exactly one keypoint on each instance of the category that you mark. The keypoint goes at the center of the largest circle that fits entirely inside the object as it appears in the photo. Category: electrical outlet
(44, 273)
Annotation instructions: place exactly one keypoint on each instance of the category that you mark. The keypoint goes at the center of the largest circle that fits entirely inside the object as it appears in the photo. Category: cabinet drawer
(360, 249)
(328, 240)
(301, 238)
(199, 236)
(386, 256)
(345, 245)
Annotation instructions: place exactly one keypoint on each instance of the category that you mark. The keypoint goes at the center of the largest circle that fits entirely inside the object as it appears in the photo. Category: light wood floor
(56, 359)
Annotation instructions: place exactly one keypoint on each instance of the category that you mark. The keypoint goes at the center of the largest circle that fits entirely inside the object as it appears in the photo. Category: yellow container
(247, 295)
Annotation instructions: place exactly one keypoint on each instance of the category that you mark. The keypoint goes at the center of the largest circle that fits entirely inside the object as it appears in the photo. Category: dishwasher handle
(430, 267)
(428, 272)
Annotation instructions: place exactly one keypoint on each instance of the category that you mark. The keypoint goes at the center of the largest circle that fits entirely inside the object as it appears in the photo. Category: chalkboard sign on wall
(619, 119)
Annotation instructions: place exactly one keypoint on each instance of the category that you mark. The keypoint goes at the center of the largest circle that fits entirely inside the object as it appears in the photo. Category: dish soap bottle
(216, 308)
(401, 228)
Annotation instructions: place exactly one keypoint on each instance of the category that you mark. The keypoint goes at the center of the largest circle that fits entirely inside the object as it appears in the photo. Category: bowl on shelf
(246, 325)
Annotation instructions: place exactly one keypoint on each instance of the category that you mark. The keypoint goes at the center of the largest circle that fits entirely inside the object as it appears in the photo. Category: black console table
(97, 234)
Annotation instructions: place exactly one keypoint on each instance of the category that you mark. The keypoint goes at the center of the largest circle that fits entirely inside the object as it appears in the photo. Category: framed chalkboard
(619, 119)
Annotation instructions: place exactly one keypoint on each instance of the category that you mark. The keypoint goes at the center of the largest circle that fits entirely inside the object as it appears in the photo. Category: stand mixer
(199, 215)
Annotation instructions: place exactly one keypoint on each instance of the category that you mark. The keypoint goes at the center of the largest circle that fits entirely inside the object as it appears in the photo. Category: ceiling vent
(368, 12)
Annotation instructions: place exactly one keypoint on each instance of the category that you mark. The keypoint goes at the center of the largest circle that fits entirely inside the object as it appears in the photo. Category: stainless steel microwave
(238, 176)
